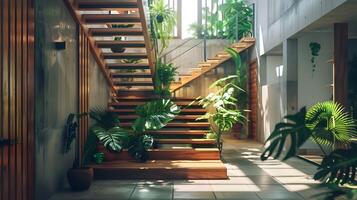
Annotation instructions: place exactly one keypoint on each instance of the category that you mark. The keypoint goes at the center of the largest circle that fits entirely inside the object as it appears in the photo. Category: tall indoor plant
(225, 112)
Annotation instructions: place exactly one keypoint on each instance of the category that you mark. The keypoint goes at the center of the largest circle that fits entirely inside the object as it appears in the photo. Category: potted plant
(225, 112)
(164, 22)
(79, 176)
(240, 128)
(119, 48)
(165, 75)
(153, 115)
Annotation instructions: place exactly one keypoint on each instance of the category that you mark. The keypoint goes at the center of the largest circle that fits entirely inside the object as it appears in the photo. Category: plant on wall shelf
(315, 50)
(164, 21)
(226, 113)
(327, 124)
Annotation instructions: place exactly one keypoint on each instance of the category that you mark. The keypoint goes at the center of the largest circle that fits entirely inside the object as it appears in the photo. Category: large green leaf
(330, 123)
(155, 115)
(103, 118)
(139, 147)
(339, 166)
(114, 139)
(295, 129)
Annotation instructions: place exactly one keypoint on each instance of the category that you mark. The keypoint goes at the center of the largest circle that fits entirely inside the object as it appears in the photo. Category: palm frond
(330, 123)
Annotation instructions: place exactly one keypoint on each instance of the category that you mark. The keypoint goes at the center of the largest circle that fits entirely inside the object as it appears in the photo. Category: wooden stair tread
(131, 75)
(127, 65)
(181, 125)
(197, 164)
(179, 117)
(102, 4)
(185, 141)
(211, 63)
(156, 97)
(187, 110)
(123, 55)
(178, 132)
(116, 31)
(111, 18)
(113, 43)
(133, 83)
(135, 103)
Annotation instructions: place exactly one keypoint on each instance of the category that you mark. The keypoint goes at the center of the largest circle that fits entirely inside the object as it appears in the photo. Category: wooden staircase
(211, 64)
(129, 70)
(181, 150)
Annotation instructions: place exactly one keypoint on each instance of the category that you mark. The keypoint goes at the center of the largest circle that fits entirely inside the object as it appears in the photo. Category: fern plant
(164, 21)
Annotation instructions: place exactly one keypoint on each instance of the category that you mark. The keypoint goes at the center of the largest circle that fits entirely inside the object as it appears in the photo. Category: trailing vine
(315, 50)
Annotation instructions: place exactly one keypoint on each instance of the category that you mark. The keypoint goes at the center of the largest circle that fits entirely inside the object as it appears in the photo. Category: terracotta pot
(80, 179)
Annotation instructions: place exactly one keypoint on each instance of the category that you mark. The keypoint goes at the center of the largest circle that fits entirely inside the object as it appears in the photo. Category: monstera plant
(226, 113)
(327, 124)
(153, 115)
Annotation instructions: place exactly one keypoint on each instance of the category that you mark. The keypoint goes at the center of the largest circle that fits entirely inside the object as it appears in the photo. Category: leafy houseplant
(165, 75)
(226, 113)
(79, 176)
(325, 123)
(164, 22)
(315, 49)
(152, 116)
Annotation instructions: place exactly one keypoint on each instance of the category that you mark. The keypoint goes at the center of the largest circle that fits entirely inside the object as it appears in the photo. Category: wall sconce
(60, 44)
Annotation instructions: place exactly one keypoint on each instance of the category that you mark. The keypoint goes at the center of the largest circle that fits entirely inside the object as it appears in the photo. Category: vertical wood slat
(253, 99)
(17, 99)
(341, 62)
(83, 73)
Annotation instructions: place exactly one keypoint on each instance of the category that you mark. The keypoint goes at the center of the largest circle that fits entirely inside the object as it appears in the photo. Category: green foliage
(315, 49)
(326, 123)
(330, 124)
(339, 166)
(114, 139)
(164, 22)
(98, 157)
(89, 149)
(232, 19)
(226, 113)
(242, 78)
(104, 119)
(155, 115)
(165, 75)
(295, 129)
(139, 147)
(335, 191)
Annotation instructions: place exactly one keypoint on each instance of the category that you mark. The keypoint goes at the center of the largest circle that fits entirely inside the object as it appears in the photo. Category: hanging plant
(315, 50)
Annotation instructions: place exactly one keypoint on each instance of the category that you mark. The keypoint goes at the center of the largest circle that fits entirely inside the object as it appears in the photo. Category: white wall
(314, 87)
(272, 96)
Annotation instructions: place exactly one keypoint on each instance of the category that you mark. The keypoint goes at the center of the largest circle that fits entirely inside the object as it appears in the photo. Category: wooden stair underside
(211, 64)
(161, 169)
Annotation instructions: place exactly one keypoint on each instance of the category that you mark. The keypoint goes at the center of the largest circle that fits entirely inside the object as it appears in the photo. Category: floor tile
(237, 195)
(157, 192)
(194, 195)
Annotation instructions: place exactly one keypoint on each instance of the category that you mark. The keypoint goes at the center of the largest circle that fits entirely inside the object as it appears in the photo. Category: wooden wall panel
(17, 99)
(84, 54)
(253, 100)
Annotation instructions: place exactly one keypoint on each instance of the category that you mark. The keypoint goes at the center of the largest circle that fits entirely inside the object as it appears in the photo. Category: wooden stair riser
(108, 18)
(124, 55)
(102, 32)
(123, 44)
(162, 154)
(122, 66)
(109, 5)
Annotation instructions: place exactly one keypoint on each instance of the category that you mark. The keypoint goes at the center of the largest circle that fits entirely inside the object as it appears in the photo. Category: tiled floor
(250, 179)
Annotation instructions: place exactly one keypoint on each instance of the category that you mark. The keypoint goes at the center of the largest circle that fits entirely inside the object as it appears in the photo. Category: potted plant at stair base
(79, 176)
(165, 75)
(226, 113)
(240, 129)
(153, 115)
